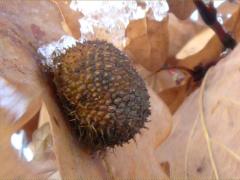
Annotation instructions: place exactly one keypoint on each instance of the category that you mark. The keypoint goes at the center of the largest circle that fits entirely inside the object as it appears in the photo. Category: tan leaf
(39, 22)
(158, 81)
(203, 141)
(70, 18)
(19, 79)
(42, 143)
(175, 96)
(180, 32)
(16, 109)
(173, 85)
(31, 126)
(191, 48)
(182, 9)
(206, 46)
(22, 30)
(148, 42)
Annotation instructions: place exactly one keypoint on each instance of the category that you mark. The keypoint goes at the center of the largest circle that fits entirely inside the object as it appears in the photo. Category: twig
(209, 16)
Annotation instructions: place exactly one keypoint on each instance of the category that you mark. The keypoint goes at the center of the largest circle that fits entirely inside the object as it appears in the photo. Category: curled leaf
(21, 32)
(182, 9)
(175, 96)
(148, 42)
(206, 47)
(70, 18)
(180, 32)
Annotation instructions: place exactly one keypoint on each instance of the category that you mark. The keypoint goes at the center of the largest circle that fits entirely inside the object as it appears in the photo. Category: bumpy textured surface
(103, 96)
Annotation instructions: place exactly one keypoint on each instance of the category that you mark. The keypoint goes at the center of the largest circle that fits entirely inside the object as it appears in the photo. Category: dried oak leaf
(180, 32)
(204, 140)
(70, 18)
(39, 21)
(182, 9)
(17, 107)
(148, 42)
(20, 100)
(173, 86)
(158, 81)
(206, 47)
(175, 96)
(22, 30)
(42, 143)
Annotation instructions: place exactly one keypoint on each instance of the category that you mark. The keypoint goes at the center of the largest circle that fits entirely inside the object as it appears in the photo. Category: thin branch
(209, 16)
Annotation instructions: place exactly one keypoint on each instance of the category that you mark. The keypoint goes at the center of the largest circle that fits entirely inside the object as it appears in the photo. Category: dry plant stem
(108, 168)
(204, 126)
(209, 16)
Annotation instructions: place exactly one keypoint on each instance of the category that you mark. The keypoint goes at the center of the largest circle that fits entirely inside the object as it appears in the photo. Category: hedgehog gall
(101, 93)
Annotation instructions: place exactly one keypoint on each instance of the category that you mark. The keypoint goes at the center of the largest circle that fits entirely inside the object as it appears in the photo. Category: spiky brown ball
(102, 94)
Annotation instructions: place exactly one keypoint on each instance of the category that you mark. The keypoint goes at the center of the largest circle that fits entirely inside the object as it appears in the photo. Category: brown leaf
(148, 42)
(182, 9)
(16, 109)
(70, 18)
(206, 47)
(158, 81)
(42, 143)
(173, 85)
(39, 22)
(20, 77)
(22, 30)
(175, 96)
(196, 43)
(180, 32)
(203, 141)
(31, 126)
